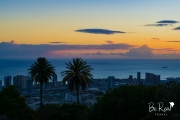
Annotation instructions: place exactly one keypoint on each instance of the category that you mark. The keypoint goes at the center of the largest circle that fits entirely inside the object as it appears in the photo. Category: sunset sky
(90, 28)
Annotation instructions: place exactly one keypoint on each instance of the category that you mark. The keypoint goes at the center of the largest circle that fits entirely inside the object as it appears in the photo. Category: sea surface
(120, 68)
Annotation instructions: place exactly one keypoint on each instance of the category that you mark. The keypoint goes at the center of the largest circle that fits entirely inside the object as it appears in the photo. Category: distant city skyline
(90, 29)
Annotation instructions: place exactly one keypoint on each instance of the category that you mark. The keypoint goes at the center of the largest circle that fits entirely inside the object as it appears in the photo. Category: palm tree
(41, 71)
(78, 74)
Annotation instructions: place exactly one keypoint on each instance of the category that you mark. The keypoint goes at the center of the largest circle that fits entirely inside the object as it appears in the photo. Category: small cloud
(168, 21)
(174, 41)
(177, 28)
(110, 42)
(163, 23)
(99, 31)
(12, 42)
(155, 38)
(158, 25)
(58, 42)
(167, 49)
(172, 50)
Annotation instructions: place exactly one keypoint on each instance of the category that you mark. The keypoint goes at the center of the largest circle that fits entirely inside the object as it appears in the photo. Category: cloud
(12, 42)
(167, 49)
(110, 42)
(173, 41)
(99, 31)
(57, 42)
(163, 23)
(155, 38)
(172, 50)
(177, 28)
(140, 52)
(159, 25)
(168, 21)
(10, 50)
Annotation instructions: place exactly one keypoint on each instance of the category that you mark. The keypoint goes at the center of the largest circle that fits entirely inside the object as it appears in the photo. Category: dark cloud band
(177, 28)
(99, 31)
(57, 42)
(163, 23)
(174, 41)
(168, 21)
(159, 25)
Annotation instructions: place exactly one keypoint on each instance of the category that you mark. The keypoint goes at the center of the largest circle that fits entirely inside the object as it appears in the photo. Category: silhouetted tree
(13, 106)
(41, 71)
(78, 74)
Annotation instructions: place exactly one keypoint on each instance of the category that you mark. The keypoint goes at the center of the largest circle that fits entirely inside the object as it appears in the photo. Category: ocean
(120, 68)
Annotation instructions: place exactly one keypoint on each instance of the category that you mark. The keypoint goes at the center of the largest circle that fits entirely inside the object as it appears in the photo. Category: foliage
(62, 112)
(13, 105)
(131, 102)
(78, 74)
(41, 71)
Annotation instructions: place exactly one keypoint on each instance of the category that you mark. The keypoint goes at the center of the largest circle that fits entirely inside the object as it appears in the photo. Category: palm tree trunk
(41, 94)
(77, 91)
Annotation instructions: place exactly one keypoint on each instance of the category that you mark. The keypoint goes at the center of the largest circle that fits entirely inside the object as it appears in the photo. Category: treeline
(122, 103)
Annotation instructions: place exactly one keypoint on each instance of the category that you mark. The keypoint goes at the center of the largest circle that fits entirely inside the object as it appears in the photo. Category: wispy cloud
(163, 23)
(58, 42)
(160, 49)
(159, 25)
(99, 31)
(177, 28)
(173, 41)
(110, 41)
(155, 38)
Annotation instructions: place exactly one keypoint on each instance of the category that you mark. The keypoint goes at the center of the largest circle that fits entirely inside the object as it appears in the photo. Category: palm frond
(78, 72)
(41, 70)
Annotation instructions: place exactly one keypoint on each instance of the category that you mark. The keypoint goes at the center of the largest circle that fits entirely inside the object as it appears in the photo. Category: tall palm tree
(78, 75)
(41, 71)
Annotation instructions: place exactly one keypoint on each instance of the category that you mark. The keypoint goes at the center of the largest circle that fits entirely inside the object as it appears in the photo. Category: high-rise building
(0, 85)
(7, 81)
(17, 81)
(29, 86)
(152, 79)
(103, 83)
(20, 81)
(111, 81)
(147, 78)
(157, 80)
(55, 80)
(24, 82)
(138, 77)
(132, 81)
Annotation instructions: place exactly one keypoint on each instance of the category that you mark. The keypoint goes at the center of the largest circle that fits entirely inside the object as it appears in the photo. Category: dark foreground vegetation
(122, 103)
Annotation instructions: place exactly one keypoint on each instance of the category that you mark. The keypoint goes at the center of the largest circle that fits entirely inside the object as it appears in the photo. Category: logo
(160, 109)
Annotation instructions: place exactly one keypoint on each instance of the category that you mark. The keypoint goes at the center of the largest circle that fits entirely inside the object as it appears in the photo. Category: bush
(13, 105)
(62, 112)
(131, 102)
